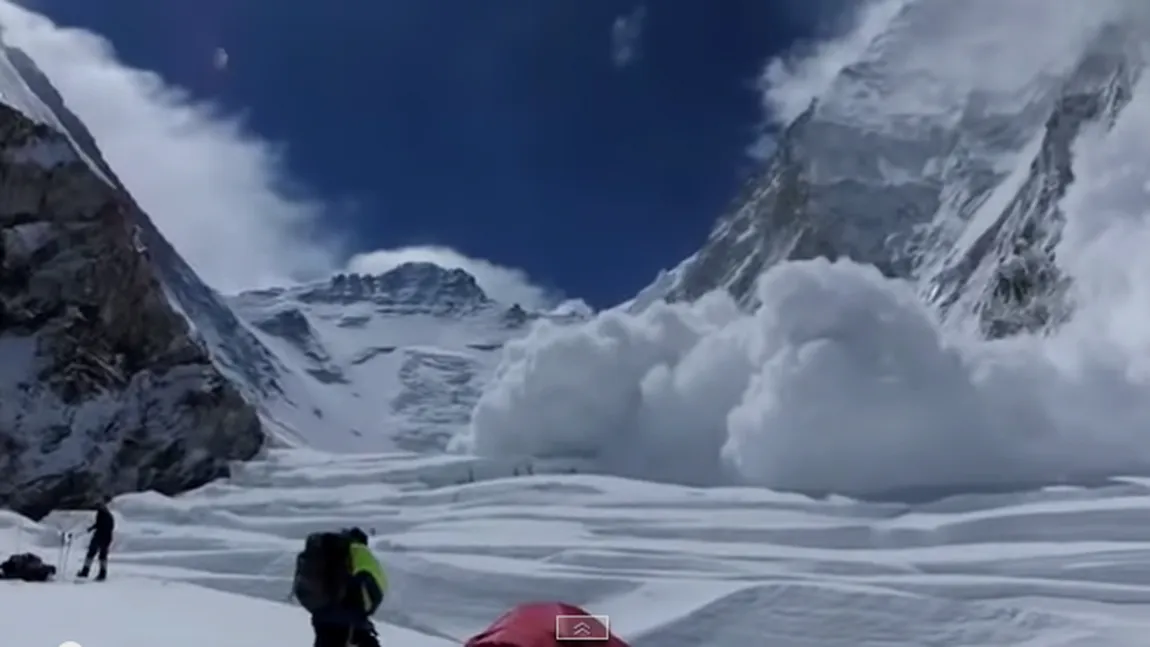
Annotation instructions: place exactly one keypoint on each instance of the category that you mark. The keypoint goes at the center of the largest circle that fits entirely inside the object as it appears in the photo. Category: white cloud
(505, 284)
(627, 35)
(790, 82)
(216, 191)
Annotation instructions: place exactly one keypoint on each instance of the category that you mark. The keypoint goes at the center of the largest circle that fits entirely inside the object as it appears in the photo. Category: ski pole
(67, 555)
(60, 553)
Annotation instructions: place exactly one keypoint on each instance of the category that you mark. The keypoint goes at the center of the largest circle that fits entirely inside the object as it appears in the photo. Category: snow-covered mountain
(955, 184)
(396, 359)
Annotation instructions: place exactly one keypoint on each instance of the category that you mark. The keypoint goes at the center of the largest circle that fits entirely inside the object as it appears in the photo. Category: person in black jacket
(349, 622)
(100, 542)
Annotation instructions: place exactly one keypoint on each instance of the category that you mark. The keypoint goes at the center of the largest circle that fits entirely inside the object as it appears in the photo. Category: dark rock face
(234, 350)
(102, 388)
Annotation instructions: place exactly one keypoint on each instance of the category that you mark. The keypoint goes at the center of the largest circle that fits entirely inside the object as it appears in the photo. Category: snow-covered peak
(383, 360)
(418, 285)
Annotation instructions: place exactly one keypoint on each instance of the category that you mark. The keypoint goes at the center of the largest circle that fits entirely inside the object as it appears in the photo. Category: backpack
(27, 567)
(322, 571)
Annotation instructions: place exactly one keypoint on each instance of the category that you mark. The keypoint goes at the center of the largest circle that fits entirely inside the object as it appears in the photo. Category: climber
(340, 582)
(101, 540)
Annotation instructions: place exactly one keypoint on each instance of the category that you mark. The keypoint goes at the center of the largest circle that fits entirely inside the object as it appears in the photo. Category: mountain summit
(416, 286)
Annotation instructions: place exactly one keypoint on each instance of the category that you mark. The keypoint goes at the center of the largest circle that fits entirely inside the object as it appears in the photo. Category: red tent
(534, 625)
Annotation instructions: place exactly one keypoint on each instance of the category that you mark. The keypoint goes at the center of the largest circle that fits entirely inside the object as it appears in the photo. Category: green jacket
(369, 582)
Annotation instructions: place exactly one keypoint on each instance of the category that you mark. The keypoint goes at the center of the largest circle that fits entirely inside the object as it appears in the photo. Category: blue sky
(500, 128)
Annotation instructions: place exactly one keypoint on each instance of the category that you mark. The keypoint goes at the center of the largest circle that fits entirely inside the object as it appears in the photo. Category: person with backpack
(341, 584)
(100, 543)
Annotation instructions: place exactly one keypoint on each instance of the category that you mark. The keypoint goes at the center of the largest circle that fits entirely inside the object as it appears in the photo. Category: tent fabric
(533, 625)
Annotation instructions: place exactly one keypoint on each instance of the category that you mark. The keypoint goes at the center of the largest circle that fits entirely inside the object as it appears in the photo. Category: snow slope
(672, 566)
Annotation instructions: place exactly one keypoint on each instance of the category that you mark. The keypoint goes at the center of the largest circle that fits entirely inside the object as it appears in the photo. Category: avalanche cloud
(842, 382)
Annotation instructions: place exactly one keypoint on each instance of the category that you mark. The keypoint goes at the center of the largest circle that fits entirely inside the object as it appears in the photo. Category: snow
(169, 613)
(843, 382)
(15, 93)
(364, 376)
(20, 242)
(672, 566)
(790, 84)
(999, 199)
(664, 281)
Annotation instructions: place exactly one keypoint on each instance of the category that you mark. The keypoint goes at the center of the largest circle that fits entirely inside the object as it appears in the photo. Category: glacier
(897, 397)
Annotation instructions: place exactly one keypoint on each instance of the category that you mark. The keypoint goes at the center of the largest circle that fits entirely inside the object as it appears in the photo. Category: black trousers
(329, 635)
(98, 547)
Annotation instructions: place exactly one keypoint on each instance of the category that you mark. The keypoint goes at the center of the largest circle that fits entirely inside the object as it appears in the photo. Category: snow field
(673, 566)
(146, 612)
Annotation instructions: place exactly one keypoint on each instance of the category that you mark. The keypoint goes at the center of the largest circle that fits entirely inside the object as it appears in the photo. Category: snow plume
(791, 82)
(217, 192)
(843, 381)
(932, 55)
(504, 284)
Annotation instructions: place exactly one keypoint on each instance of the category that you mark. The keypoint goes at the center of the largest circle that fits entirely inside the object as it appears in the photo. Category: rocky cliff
(103, 389)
